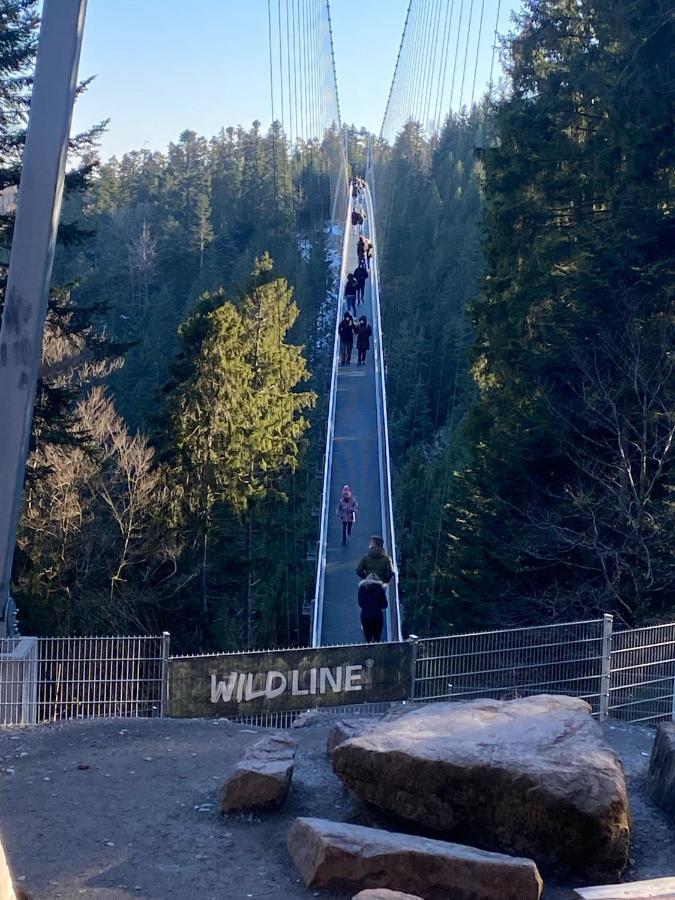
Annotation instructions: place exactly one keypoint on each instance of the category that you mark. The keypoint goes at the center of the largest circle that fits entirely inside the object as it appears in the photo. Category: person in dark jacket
(372, 600)
(363, 333)
(361, 247)
(346, 333)
(376, 560)
(350, 293)
(361, 275)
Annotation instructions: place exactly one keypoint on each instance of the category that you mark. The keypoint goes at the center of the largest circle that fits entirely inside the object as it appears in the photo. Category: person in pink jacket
(347, 508)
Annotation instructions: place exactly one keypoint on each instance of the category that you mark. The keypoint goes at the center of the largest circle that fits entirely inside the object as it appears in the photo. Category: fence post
(164, 698)
(607, 625)
(413, 640)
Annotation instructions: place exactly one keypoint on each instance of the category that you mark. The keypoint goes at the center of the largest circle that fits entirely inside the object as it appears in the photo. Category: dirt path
(129, 808)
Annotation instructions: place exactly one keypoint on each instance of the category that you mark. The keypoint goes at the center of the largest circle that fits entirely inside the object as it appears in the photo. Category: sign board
(243, 684)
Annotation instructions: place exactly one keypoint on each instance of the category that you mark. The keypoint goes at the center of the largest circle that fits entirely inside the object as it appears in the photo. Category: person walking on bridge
(347, 509)
(362, 219)
(361, 275)
(376, 560)
(361, 249)
(346, 333)
(363, 334)
(373, 601)
(369, 252)
(351, 286)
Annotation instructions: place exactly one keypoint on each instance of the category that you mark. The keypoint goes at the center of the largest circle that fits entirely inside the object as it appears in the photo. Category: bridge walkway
(357, 456)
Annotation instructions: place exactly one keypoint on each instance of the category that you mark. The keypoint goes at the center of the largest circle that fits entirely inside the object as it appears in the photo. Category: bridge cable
(274, 144)
(440, 88)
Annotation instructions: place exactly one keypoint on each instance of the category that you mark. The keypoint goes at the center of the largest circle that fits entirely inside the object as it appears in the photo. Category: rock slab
(261, 778)
(384, 894)
(340, 856)
(661, 775)
(663, 888)
(532, 777)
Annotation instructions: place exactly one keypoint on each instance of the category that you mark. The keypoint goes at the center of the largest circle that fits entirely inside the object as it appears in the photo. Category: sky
(162, 66)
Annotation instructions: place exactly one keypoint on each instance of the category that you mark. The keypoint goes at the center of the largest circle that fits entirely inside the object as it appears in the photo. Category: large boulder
(344, 729)
(339, 856)
(661, 774)
(531, 777)
(261, 778)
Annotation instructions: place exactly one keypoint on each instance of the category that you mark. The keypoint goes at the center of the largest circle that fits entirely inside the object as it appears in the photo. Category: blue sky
(166, 65)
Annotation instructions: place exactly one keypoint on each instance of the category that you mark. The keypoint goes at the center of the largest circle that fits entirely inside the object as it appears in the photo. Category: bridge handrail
(317, 617)
(394, 612)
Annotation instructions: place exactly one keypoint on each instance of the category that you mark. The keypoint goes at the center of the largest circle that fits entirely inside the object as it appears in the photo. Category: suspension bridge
(438, 58)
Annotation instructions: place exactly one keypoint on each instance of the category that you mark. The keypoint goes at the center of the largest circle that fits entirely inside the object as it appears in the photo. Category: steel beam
(32, 255)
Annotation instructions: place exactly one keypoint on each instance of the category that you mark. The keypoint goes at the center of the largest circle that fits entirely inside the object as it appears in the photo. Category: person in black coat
(361, 247)
(361, 275)
(346, 332)
(363, 334)
(351, 286)
(372, 600)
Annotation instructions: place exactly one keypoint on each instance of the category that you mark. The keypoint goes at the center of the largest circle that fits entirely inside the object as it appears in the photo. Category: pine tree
(235, 420)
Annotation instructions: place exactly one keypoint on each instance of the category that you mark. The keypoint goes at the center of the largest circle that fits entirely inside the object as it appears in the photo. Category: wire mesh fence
(557, 659)
(83, 677)
(288, 719)
(627, 674)
(18, 680)
(642, 680)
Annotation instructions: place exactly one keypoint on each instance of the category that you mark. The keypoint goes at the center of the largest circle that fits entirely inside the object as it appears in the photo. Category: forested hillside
(428, 208)
(553, 457)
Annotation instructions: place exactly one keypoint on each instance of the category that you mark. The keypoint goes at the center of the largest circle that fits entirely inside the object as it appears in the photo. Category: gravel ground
(127, 808)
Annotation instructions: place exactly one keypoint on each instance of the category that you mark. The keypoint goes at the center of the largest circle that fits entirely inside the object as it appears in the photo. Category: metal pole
(164, 702)
(30, 266)
(607, 625)
(413, 640)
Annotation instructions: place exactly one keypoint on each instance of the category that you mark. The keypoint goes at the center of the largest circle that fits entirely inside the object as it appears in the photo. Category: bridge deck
(356, 463)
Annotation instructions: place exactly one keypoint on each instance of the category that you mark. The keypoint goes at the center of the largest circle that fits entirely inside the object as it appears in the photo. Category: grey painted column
(30, 266)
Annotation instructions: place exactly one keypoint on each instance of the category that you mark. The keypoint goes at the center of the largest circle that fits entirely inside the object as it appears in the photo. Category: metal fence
(642, 676)
(626, 674)
(570, 658)
(18, 680)
(82, 677)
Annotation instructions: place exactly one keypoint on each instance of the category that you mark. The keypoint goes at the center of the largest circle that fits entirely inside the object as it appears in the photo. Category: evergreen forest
(527, 275)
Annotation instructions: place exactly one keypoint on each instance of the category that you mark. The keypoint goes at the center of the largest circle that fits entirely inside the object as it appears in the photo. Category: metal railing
(317, 612)
(388, 532)
(83, 677)
(570, 658)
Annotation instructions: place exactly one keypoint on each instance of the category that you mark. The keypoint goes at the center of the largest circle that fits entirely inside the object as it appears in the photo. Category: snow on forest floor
(123, 808)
